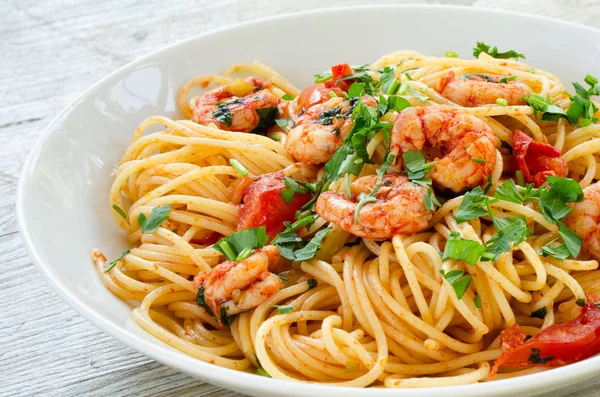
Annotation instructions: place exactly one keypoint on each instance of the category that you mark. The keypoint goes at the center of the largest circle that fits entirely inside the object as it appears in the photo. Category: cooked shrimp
(467, 144)
(584, 219)
(321, 129)
(399, 208)
(233, 287)
(236, 106)
(482, 89)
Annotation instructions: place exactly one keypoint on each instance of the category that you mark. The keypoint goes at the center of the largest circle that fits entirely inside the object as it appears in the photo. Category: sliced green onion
(238, 167)
(501, 102)
(244, 254)
(119, 211)
(393, 87)
(332, 94)
(520, 178)
(224, 245)
(477, 160)
(451, 54)
(348, 192)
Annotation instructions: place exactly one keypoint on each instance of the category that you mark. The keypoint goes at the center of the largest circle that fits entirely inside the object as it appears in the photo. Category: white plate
(63, 209)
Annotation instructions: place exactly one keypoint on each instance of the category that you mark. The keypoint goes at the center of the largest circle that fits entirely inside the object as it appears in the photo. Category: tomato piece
(559, 344)
(262, 204)
(537, 160)
(341, 70)
(319, 93)
(315, 94)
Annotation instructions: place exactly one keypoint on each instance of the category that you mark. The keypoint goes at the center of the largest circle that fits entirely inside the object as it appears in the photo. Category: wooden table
(51, 51)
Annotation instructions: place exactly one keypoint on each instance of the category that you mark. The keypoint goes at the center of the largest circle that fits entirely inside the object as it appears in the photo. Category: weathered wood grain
(51, 52)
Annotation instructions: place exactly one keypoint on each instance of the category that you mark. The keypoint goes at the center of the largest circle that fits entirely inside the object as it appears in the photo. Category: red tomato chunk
(262, 204)
(559, 344)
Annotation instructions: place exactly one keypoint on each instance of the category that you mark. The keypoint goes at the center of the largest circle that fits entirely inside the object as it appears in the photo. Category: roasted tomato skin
(537, 160)
(556, 345)
(262, 204)
(319, 93)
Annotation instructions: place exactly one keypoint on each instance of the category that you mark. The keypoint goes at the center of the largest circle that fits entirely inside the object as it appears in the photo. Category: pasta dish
(415, 222)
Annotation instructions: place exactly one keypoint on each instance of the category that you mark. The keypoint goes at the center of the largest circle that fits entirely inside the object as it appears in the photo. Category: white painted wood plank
(51, 52)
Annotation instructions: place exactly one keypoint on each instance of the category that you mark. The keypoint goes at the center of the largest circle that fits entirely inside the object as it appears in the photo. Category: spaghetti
(421, 308)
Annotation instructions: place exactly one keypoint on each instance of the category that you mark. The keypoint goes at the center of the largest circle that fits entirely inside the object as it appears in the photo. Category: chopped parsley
(369, 198)
(459, 281)
(558, 251)
(581, 111)
(223, 114)
(312, 283)
(283, 309)
(157, 217)
(535, 357)
(463, 250)
(471, 206)
(293, 187)
(242, 242)
(493, 52)
(266, 118)
(539, 313)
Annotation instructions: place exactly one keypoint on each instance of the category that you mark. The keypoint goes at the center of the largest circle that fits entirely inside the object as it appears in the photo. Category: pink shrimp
(482, 89)
(399, 208)
(467, 144)
(233, 287)
(243, 105)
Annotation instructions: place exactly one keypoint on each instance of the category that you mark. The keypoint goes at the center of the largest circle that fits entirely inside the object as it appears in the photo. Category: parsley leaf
(293, 187)
(416, 167)
(559, 251)
(458, 280)
(266, 118)
(471, 206)
(581, 111)
(157, 217)
(508, 192)
(572, 241)
(544, 108)
(369, 198)
(493, 52)
(234, 244)
(431, 202)
(511, 230)
(292, 247)
(312, 283)
(540, 313)
(223, 114)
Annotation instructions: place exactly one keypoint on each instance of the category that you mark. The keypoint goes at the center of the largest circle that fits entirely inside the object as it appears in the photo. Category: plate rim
(561, 376)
